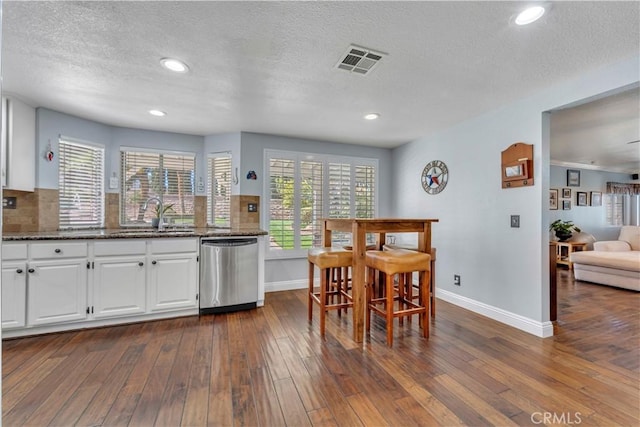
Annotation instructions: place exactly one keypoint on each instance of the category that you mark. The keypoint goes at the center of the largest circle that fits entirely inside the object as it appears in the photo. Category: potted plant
(156, 221)
(563, 229)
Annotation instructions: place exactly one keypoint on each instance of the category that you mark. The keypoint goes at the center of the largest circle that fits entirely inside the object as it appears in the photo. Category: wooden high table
(359, 227)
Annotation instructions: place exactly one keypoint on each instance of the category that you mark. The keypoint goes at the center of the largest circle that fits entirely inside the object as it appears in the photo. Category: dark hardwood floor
(269, 367)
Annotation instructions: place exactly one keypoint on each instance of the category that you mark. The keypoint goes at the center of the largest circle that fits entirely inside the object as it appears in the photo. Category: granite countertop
(132, 233)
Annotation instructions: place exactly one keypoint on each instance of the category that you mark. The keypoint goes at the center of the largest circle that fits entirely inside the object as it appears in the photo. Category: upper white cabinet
(18, 145)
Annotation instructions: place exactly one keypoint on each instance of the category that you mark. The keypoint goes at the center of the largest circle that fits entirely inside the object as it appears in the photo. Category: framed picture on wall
(573, 178)
(566, 205)
(553, 199)
(581, 198)
(566, 193)
(596, 198)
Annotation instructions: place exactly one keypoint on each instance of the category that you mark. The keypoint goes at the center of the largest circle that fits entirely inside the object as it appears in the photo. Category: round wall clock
(434, 177)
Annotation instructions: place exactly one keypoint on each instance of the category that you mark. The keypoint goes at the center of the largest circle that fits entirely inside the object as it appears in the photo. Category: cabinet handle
(19, 271)
(141, 263)
(154, 262)
(31, 270)
(57, 251)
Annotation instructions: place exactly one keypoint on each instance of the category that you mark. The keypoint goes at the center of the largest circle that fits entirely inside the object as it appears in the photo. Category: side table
(564, 250)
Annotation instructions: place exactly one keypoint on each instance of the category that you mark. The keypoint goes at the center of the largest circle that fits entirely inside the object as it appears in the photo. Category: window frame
(210, 216)
(326, 159)
(122, 196)
(99, 181)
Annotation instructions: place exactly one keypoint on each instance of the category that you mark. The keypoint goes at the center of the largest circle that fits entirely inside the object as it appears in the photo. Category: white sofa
(612, 263)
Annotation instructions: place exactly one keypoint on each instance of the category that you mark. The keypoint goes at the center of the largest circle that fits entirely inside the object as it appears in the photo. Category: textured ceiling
(602, 134)
(269, 67)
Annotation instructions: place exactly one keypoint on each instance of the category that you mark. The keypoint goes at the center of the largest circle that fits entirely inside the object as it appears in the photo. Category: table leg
(358, 281)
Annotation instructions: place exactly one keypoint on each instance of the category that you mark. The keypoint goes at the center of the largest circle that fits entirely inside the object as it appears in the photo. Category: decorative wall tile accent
(200, 211)
(240, 215)
(112, 210)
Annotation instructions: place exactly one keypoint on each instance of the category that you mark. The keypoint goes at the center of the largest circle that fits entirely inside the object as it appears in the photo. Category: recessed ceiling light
(174, 65)
(157, 113)
(530, 15)
(371, 116)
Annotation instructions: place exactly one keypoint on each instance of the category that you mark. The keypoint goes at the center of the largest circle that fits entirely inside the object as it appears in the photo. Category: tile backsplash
(242, 214)
(38, 211)
(35, 211)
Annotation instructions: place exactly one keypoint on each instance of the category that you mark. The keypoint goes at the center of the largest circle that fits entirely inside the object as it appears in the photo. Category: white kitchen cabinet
(173, 274)
(57, 282)
(57, 291)
(18, 145)
(119, 278)
(14, 294)
(119, 285)
(14, 285)
(69, 284)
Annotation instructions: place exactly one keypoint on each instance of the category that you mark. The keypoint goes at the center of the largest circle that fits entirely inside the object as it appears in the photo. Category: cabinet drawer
(120, 247)
(14, 251)
(173, 245)
(58, 250)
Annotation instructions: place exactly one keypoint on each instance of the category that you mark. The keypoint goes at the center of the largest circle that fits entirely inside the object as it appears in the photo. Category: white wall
(51, 124)
(504, 270)
(590, 219)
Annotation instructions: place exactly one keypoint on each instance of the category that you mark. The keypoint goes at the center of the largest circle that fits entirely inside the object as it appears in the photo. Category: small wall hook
(235, 177)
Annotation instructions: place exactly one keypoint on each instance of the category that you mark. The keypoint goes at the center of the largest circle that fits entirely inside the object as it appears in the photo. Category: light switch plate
(515, 221)
(9, 202)
(113, 182)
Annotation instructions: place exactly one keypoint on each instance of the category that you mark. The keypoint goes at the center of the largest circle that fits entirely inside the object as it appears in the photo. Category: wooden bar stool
(334, 264)
(432, 283)
(398, 262)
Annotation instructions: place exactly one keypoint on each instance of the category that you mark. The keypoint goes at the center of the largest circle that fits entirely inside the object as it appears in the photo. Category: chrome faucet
(160, 211)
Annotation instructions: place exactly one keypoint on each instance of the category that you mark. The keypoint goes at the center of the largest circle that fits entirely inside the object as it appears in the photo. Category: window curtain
(620, 188)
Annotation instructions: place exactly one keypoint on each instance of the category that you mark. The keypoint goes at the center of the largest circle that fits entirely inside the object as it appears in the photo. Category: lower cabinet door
(119, 286)
(173, 282)
(14, 294)
(57, 291)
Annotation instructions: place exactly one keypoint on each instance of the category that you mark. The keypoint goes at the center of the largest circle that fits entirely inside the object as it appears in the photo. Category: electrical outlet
(515, 221)
(456, 279)
(9, 202)
(252, 207)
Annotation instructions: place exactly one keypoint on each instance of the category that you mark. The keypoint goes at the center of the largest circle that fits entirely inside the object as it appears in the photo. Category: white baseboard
(539, 329)
(287, 285)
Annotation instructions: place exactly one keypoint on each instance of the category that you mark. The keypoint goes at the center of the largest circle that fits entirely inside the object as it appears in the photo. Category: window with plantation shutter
(365, 186)
(219, 190)
(282, 214)
(169, 177)
(304, 188)
(80, 184)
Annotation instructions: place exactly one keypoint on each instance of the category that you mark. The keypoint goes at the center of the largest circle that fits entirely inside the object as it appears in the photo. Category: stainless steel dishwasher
(228, 274)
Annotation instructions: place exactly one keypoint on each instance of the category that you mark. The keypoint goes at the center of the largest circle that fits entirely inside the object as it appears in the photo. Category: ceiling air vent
(359, 60)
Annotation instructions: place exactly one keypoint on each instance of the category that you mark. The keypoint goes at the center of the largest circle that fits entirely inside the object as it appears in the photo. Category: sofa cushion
(629, 260)
(612, 246)
(631, 234)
